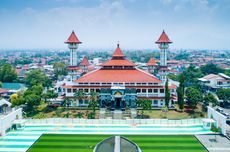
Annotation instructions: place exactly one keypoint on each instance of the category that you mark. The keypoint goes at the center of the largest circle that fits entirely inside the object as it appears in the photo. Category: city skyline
(136, 24)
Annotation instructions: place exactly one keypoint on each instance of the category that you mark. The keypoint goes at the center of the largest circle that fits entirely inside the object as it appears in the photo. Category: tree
(191, 75)
(227, 72)
(93, 104)
(59, 69)
(16, 99)
(167, 93)
(32, 100)
(193, 97)
(209, 98)
(180, 92)
(49, 95)
(173, 77)
(211, 68)
(37, 77)
(79, 95)
(224, 94)
(0, 84)
(8, 73)
(145, 104)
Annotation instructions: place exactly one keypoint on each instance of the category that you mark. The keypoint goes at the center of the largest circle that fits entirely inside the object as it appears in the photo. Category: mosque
(118, 82)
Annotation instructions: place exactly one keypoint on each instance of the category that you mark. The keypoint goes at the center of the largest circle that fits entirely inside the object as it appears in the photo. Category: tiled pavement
(215, 143)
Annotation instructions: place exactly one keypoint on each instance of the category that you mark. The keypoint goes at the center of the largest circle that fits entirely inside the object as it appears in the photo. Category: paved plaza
(215, 144)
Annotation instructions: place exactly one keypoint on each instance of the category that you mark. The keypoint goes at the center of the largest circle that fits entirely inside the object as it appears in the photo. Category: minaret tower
(73, 43)
(163, 44)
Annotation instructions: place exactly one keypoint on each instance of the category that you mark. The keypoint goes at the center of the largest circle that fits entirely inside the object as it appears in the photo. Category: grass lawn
(173, 114)
(86, 143)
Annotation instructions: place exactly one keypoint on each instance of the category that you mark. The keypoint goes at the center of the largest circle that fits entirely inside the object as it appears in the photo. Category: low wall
(219, 118)
(7, 120)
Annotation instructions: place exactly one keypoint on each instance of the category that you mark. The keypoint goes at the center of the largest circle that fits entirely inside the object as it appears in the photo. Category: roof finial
(117, 43)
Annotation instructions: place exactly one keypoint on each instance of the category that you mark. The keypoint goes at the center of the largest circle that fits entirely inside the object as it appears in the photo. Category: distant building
(215, 81)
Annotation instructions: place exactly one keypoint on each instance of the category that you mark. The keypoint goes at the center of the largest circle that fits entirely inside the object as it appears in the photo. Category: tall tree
(193, 96)
(167, 93)
(93, 103)
(8, 73)
(180, 92)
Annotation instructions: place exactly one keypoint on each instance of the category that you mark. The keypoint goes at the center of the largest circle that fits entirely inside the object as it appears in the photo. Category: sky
(99, 24)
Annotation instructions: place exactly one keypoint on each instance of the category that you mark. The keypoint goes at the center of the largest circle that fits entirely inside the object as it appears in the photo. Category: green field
(86, 143)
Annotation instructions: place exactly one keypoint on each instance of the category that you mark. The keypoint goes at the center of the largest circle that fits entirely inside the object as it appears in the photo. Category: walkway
(221, 145)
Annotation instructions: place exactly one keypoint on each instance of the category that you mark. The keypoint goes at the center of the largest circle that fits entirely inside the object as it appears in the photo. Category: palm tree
(93, 101)
(79, 95)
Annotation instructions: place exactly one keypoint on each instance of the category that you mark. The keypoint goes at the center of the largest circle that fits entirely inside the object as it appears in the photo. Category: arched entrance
(117, 101)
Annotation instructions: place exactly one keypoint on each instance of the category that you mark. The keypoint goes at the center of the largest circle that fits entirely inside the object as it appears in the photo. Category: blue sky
(136, 24)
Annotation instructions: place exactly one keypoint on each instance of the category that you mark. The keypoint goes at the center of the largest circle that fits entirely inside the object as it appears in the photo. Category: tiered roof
(120, 75)
(118, 59)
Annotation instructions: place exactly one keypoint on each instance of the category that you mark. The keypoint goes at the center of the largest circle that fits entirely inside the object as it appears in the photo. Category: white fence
(7, 120)
(54, 121)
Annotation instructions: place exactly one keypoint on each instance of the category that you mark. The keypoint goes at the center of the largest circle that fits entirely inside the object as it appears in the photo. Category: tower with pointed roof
(73, 43)
(163, 44)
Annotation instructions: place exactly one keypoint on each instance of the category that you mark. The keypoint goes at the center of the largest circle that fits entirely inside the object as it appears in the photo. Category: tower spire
(163, 44)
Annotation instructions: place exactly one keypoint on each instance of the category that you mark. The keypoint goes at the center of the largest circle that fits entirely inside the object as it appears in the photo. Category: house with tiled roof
(215, 81)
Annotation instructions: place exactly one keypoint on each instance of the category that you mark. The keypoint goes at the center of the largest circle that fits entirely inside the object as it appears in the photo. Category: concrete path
(215, 144)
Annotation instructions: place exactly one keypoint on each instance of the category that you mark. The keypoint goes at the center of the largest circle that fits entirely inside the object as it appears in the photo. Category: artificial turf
(86, 143)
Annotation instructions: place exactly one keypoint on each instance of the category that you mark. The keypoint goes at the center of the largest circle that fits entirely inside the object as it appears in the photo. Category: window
(162, 90)
(144, 90)
(155, 90)
(86, 90)
(81, 102)
(97, 90)
(220, 83)
(74, 90)
(91, 90)
(138, 90)
(69, 90)
(172, 90)
(86, 102)
(155, 102)
(150, 90)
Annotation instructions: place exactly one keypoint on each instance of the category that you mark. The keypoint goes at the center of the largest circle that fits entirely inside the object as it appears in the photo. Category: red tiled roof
(3, 90)
(73, 68)
(84, 62)
(118, 52)
(118, 59)
(164, 38)
(151, 62)
(163, 68)
(73, 39)
(123, 62)
(135, 75)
